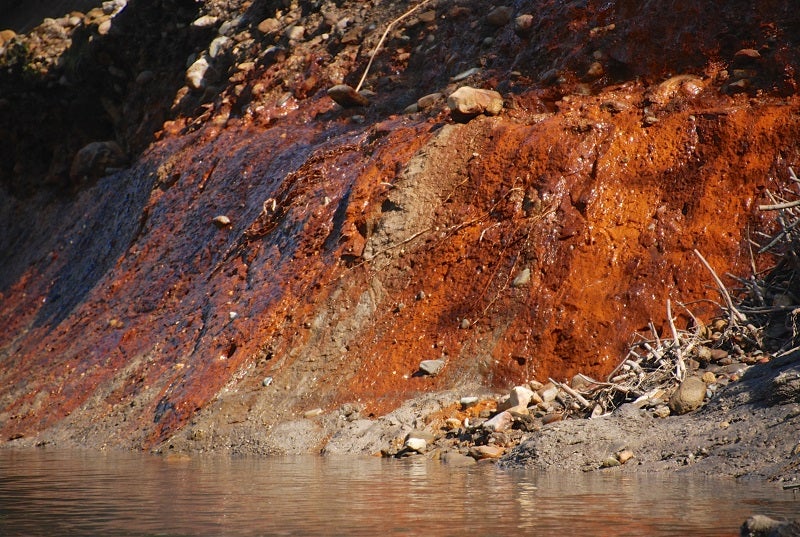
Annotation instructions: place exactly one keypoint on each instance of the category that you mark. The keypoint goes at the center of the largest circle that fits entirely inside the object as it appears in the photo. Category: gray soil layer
(751, 429)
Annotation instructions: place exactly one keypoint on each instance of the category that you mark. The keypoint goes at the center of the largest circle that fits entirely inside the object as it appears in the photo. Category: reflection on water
(88, 493)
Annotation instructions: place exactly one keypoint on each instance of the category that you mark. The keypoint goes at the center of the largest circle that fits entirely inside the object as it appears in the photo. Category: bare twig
(735, 314)
(383, 38)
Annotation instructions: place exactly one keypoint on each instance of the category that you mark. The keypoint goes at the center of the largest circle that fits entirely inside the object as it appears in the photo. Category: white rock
(195, 74)
(500, 422)
(206, 21)
(472, 101)
(416, 444)
(520, 396)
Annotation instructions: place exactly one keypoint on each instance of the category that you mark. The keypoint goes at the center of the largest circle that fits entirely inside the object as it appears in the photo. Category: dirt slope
(362, 241)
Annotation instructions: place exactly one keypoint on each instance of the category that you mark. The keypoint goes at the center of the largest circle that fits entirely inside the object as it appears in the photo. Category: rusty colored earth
(360, 242)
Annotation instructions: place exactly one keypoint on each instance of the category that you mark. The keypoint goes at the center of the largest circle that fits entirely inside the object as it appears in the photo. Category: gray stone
(219, 45)
(96, 159)
(689, 395)
(454, 458)
(295, 33)
(431, 367)
(470, 101)
(428, 100)
(346, 96)
(499, 16)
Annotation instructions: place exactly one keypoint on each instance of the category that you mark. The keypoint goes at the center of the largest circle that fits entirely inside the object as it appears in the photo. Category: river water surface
(47, 492)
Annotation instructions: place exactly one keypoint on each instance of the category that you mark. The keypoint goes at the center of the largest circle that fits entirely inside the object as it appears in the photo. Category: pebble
(346, 96)
(500, 422)
(470, 101)
(689, 396)
(104, 27)
(499, 16)
(313, 413)
(465, 74)
(269, 26)
(624, 456)
(431, 367)
(464, 324)
(519, 396)
(523, 24)
(221, 221)
(468, 401)
(295, 33)
(522, 279)
(610, 462)
(548, 392)
(428, 100)
(219, 45)
(196, 73)
(206, 21)
(454, 458)
(95, 159)
(416, 444)
(486, 452)
(266, 382)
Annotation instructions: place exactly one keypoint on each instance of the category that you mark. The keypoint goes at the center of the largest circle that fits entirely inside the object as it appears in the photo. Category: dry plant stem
(581, 399)
(735, 314)
(680, 367)
(383, 38)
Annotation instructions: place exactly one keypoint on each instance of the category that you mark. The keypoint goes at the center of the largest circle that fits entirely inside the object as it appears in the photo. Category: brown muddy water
(48, 492)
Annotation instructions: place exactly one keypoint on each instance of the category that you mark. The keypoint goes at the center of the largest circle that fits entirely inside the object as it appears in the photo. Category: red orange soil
(358, 246)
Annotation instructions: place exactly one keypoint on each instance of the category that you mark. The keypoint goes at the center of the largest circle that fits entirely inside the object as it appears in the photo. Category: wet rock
(486, 452)
(468, 102)
(500, 422)
(96, 159)
(416, 444)
(431, 367)
(453, 458)
(499, 16)
(346, 96)
(764, 526)
(196, 74)
(689, 396)
(428, 100)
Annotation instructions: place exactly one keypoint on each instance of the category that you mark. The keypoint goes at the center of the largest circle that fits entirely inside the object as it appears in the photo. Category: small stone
(519, 396)
(486, 452)
(709, 377)
(452, 424)
(523, 24)
(609, 462)
(689, 396)
(221, 221)
(747, 53)
(312, 413)
(269, 26)
(219, 45)
(232, 315)
(206, 21)
(431, 367)
(718, 354)
(104, 27)
(266, 382)
(144, 77)
(464, 324)
(500, 422)
(522, 279)
(595, 70)
(428, 100)
(624, 456)
(466, 74)
(346, 96)
(661, 411)
(499, 16)
(416, 444)
(95, 159)
(470, 101)
(295, 33)
(412, 108)
(468, 401)
(548, 392)
(196, 73)
(453, 458)
(115, 323)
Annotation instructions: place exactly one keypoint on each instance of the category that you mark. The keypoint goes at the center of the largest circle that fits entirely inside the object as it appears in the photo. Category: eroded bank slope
(360, 242)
